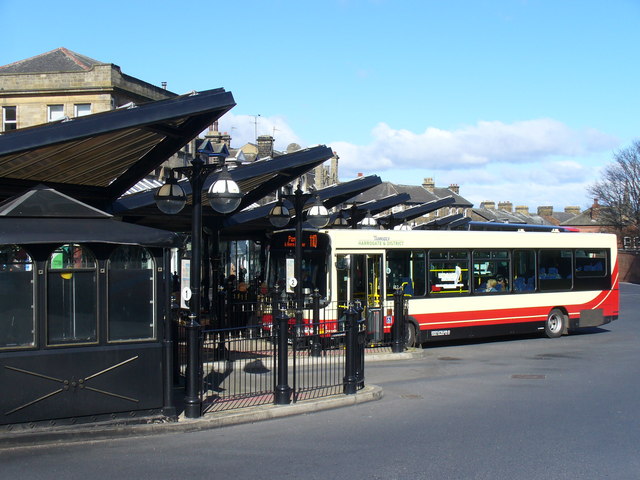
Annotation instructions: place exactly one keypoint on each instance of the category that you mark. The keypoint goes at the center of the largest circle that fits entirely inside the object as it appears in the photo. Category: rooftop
(58, 60)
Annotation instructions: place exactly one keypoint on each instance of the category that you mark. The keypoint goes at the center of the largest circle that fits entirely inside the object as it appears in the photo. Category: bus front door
(360, 280)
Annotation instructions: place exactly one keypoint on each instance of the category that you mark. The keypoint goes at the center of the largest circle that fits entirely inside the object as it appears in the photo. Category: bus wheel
(554, 325)
(410, 338)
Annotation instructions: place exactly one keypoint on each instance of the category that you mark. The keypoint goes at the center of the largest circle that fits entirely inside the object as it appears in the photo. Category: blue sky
(514, 100)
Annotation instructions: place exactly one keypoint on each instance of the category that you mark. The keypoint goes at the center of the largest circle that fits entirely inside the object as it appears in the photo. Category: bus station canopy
(253, 222)
(255, 180)
(44, 216)
(97, 158)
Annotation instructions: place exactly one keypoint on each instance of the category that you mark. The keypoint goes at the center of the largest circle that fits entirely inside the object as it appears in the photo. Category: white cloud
(477, 145)
(534, 162)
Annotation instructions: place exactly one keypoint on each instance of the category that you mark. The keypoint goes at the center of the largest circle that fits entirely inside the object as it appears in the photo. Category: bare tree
(619, 190)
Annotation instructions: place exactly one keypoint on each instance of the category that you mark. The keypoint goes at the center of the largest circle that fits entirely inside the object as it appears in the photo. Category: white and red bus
(458, 284)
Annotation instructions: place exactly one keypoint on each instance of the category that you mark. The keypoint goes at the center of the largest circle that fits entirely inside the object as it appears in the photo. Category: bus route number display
(312, 241)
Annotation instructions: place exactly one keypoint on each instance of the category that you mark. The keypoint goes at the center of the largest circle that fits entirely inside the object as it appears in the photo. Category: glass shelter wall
(71, 296)
(74, 294)
(131, 298)
(17, 327)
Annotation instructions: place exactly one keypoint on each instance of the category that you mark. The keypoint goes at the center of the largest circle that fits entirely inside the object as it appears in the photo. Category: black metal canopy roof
(357, 212)
(394, 219)
(254, 222)
(456, 219)
(256, 180)
(45, 216)
(96, 158)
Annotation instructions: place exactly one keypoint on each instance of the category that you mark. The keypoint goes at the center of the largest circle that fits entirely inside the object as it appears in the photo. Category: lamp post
(224, 197)
(317, 216)
(368, 222)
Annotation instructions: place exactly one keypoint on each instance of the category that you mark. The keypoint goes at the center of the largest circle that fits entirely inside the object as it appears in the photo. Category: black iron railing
(237, 368)
(248, 363)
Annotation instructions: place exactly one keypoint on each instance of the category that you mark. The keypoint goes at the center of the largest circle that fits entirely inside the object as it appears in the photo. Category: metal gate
(239, 365)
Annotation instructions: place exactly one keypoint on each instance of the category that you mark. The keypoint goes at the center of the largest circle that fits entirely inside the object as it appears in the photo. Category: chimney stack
(489, 205)
(429, 184)
(215, 136)
(506, 206)
(455, 188)
(545, 211)
(573, 210)
(595, 209)
(265, 146)
(522, 209)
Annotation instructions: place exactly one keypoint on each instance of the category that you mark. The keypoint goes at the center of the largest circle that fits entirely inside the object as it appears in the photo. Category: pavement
(31, 435)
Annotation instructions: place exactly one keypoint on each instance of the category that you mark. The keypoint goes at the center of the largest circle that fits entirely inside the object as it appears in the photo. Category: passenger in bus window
(491, 285)
(502, 284)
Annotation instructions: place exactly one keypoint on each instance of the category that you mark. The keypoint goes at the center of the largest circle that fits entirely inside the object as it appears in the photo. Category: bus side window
(449, 272)
(591, 270)
(419, 273)
(491, 271)
(399, 271)
(555, 272)
(524, 267)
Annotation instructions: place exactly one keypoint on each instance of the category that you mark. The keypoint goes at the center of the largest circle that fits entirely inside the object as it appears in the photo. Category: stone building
(63, 84)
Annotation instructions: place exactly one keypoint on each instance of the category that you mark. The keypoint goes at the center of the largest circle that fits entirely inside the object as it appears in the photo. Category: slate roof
(587, 218)
(459, 200)
(418, 194)
(58, 60)
(560, 217)
(502, 216)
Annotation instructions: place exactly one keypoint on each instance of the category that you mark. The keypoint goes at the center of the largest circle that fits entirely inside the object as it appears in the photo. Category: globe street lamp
(368, 222)
(224, 197)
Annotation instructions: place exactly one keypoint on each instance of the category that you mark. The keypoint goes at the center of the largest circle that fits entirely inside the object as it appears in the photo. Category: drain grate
(528, 377)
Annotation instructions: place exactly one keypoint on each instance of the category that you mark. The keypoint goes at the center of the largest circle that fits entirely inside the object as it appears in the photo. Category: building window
(131, 299)
(71, 296)
(81, 109)
(16, 298)
(55, 112)
(9, 118)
